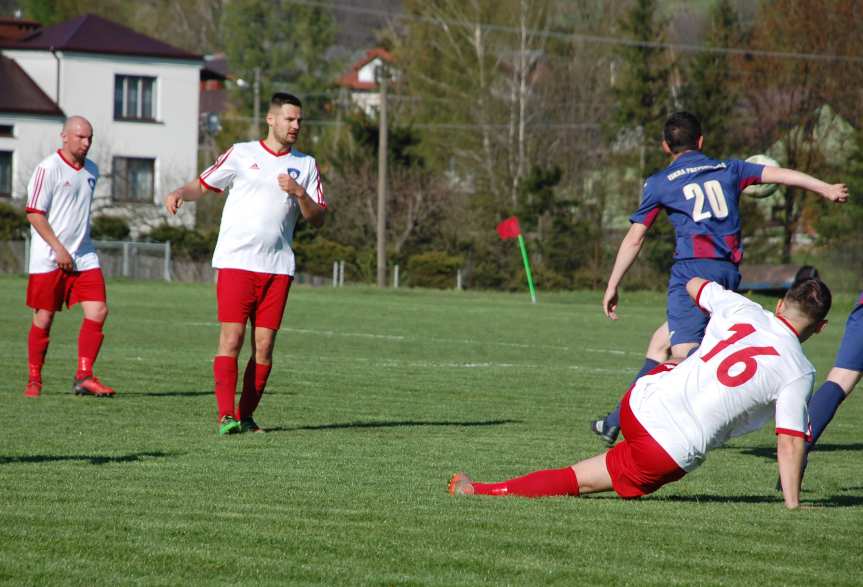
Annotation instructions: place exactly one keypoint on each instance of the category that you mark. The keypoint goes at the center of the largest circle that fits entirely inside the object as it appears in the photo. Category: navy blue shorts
(850, 355)
(686, 321)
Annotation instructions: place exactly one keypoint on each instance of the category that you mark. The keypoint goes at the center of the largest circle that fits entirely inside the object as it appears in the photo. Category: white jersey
(63, 193)
(749, 367)
(258, 220)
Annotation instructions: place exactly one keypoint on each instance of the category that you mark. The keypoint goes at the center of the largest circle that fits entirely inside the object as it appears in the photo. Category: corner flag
(510, 228)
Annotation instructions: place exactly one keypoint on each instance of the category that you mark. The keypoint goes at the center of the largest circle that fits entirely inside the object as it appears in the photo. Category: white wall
(87, 89)
(34, 138)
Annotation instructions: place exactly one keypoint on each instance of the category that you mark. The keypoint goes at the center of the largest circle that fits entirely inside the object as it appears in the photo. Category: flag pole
(527, 268)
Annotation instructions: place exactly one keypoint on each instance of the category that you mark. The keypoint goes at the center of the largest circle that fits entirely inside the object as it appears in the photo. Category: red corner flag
(509, 228)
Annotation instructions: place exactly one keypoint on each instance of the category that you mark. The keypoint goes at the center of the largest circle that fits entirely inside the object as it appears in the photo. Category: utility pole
(382, 178)
(256, 117)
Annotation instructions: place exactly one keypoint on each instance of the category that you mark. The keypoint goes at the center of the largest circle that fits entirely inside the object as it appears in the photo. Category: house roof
(20, 94)
(15, 28)
(352, 80)
(92, 34)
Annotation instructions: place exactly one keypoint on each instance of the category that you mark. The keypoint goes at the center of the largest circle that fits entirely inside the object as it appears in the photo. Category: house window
(7, 130)
(133, 179)
(134, 97)
(5, 174)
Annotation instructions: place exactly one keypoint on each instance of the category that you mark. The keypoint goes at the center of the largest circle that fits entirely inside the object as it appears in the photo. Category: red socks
(89, 342)
(37, 348)
(537, 484)
(254, 382)
(225, 375)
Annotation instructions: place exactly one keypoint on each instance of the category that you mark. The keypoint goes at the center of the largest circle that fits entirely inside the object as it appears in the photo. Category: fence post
(341, 273)
(125, 258)
(167, 272)
(335, 273)
(396, 276)
(458, 279)
(27, 252)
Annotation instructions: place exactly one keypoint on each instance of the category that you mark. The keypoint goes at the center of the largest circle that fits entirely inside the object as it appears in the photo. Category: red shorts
(247, 295)
(49, 291)
(638, 465)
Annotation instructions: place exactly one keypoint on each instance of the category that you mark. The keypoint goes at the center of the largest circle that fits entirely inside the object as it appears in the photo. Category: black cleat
(249, 425)
(606, 432)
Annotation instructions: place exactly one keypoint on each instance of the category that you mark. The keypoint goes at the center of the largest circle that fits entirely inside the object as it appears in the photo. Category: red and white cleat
(34, 388)
(91, 386)
(461, 484)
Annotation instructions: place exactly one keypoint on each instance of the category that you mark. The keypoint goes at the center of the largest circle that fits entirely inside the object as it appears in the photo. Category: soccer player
(750, 367)
(271, 186)
(701, 197)
(64, 266)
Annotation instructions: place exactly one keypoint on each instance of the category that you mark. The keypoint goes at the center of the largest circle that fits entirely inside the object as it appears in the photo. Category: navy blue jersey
(701, 196)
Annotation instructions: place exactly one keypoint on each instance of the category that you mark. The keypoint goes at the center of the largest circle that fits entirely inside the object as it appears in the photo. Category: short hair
(682, 131)
(806, 272)
(811, 297)
(279, 99)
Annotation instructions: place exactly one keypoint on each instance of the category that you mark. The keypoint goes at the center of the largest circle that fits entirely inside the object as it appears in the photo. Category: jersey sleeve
(221, 173)
(649, 208)
(747, 173)
(40, 191)
(315, 189)
(712, 297)
(792, 417)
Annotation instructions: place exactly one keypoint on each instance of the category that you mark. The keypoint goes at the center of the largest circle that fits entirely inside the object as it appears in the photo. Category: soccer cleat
(249, 425)
(34, 388)
(228, 425)
(91, 385)
(461, 484)
(606, 432)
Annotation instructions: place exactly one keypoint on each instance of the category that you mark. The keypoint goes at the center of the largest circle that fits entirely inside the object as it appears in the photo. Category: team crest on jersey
(293, 172)
(92, 182)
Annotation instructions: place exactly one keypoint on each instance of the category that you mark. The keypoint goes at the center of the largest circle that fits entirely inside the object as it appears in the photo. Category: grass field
(374, 401)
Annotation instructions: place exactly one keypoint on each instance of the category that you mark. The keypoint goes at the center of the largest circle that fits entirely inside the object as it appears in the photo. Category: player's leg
(270, 308)
(658, 350)
(235, 294)
(545, 483)
(45, 297)
(88, 289)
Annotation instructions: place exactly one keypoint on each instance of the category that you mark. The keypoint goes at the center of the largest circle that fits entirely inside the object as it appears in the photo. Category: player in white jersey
(64, 267)
(749, 367)
(271, 186)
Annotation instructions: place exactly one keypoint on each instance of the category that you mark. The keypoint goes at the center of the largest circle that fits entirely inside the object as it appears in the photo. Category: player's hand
(173, 202)
(609, 303)
(64, 260)
(838, 192)
(287, 184)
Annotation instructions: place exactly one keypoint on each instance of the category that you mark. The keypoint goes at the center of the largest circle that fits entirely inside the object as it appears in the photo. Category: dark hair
(805, 272)
(279, 99)
(682, 131)
(812, 297)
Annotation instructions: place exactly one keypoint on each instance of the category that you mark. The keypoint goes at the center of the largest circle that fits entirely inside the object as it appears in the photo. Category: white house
(140, 94)
(362, 81)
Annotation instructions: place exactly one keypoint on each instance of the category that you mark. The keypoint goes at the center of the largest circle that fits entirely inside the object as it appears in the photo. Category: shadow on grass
(769, 452)
(394, 424)
(209, 392)
(134, 457)
(835, 501)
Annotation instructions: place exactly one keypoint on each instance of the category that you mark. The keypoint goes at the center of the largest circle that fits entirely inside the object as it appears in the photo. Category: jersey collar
(69, 163)
(273, 153)
(788, 324)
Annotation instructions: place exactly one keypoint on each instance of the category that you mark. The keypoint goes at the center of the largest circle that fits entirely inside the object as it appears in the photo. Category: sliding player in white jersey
(64, 267)
(271, 185)
(749, 367)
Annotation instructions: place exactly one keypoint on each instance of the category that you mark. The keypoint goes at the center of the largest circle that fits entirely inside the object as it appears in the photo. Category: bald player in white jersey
(749, 367)
(271, 186)
(64, 266)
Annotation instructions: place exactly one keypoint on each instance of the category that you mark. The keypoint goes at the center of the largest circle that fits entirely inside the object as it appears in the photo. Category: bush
(318, 256)
(185, 243)
(109, 228)
(433, 269)
(13, 223)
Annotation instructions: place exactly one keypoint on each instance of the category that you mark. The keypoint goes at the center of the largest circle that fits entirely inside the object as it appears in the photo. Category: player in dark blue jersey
(701, 197)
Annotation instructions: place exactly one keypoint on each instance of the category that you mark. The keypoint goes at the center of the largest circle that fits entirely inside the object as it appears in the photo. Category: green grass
(374, 401)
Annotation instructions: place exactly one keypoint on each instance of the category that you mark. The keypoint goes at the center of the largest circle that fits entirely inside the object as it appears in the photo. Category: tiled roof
(20, 94)
(352, 80)
(93, 34)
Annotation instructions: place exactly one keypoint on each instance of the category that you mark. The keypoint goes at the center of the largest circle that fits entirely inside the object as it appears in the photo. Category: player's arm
(40, 223)
(789, 455)
(188, 192)
(310, 209)
(837, 192)
(630, 246)
(693, 286)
